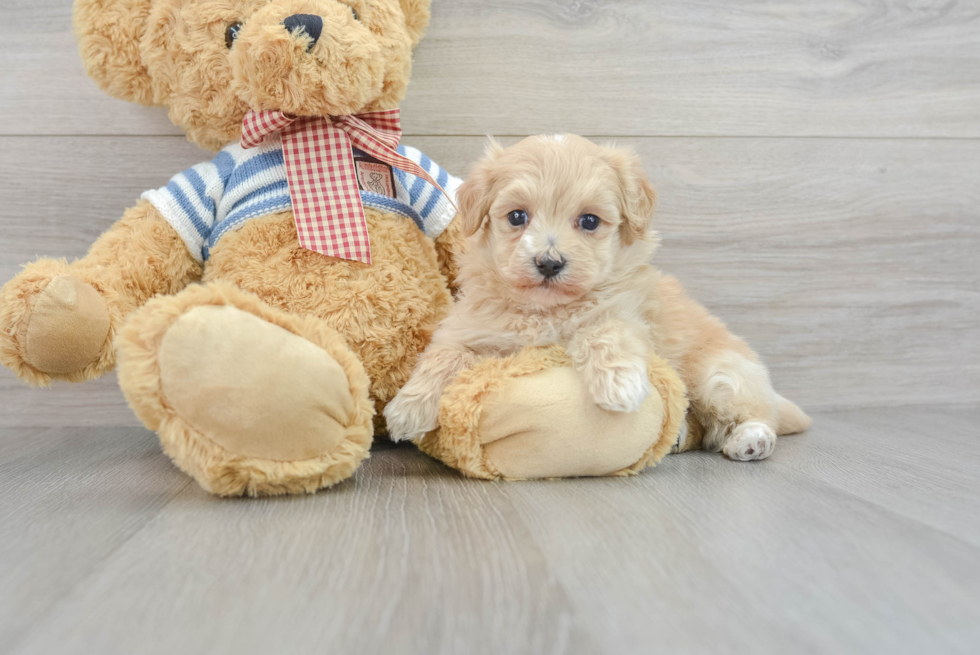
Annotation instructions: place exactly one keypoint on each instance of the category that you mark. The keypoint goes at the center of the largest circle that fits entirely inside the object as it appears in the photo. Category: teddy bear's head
(210, 61)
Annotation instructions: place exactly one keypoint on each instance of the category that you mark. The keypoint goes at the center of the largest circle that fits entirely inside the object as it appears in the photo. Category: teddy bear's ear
(637, 195)
(109, 33)
(416, 17)
(475, 195)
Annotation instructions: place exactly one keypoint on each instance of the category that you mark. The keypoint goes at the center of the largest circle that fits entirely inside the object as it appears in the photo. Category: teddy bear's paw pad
(749, 441)
(546, 425)
(254, 388)
(68, 327)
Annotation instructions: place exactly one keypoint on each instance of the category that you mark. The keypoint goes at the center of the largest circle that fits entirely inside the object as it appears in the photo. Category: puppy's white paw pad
(750, 441)
(410, 418)
(622, 391)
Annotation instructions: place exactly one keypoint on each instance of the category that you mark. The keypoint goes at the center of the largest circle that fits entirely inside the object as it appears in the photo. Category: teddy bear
(263, 306)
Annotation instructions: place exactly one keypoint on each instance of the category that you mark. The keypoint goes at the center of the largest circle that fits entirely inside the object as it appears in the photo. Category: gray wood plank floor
(817, 164)
(857, 537)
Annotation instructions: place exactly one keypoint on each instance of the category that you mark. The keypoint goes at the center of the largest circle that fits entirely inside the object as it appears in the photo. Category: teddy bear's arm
(142, 255)
(436, 211)
(58, 320)
(449, 246)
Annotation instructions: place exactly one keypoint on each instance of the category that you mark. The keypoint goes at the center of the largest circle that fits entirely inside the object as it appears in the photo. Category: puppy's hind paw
(622, 389)
(410, 417)
(750, 440)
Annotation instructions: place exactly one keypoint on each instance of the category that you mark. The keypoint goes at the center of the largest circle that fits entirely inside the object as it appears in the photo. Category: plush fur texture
(173, 53)
(197, 453)
(450, 246)
(468, 402)
(387, 311)
(375, 320)
(109, 33)
(564, 199)
(138, 257)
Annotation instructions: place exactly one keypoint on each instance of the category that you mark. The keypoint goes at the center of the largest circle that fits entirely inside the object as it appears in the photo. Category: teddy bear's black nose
(308, 23)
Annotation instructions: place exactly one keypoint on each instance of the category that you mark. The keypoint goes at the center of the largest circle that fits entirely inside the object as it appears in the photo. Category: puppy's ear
(637, 196)
(475, 195)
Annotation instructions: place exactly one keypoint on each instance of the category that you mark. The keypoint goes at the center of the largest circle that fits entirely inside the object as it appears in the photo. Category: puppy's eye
(589, 222)
(517, 218)
(231, 33)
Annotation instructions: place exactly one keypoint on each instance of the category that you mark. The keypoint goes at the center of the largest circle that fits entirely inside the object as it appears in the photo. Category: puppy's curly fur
(560, 244)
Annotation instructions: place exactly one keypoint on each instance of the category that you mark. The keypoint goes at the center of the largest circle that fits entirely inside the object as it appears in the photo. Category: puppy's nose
(312, 25)
(549, 267)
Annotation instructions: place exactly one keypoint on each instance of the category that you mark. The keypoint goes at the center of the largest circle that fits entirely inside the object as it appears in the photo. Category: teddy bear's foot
(53, 325)
(245, 398)
(531, 416)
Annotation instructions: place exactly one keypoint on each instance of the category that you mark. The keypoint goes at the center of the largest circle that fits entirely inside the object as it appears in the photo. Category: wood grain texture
(68, 498)
(848, 264)
(822, 548)
(910, 479)
(777, 559)
(629, 67)
(97, 403)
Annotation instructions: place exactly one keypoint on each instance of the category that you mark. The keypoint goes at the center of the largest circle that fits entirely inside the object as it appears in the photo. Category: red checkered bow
(320, 171)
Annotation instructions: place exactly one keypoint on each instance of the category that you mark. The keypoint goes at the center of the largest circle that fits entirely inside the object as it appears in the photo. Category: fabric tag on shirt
(374, 175)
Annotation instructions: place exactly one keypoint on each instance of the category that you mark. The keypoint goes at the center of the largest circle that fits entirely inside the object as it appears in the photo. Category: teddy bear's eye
(231, 33)
(357, 16)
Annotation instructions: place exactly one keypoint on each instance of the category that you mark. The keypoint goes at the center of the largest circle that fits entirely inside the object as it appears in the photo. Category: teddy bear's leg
(58, 320)
(530, 416)
(246, 398)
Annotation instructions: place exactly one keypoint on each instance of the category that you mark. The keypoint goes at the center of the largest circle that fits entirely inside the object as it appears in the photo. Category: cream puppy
(560, 245)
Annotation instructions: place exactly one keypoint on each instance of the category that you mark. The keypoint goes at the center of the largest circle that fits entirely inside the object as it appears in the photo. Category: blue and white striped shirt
(210, 199)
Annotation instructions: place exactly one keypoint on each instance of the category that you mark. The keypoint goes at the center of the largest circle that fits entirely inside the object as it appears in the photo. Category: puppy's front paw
(622, 388)
(750, 440)
(411, 416)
